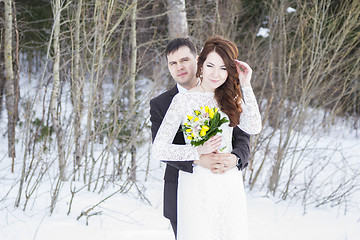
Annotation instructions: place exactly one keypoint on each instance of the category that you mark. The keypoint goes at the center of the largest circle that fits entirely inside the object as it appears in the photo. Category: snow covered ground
(127, 217)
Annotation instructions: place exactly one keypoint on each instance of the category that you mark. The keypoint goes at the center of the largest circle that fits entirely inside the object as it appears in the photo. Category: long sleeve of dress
(250, 118)
(162, 148)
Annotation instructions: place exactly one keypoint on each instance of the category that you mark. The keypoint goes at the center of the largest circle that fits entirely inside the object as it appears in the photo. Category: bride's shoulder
(183, 97)
(180, 97)
(187, 94)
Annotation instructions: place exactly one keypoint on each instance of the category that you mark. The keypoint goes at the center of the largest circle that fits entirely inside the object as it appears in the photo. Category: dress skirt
(211, 206)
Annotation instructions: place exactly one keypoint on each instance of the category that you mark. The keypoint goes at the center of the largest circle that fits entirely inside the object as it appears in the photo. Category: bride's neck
(206, 89)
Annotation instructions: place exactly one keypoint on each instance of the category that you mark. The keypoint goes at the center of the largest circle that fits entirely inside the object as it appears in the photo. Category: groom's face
(182, 67)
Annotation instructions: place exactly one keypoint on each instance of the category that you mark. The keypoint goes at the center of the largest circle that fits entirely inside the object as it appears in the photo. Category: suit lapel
(173, 92)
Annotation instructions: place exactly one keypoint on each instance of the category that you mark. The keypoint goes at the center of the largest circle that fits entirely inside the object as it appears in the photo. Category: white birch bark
(77, 87)
(178, 26)
(99, 57)
(9, 79)
(132, 97)
(55, 92)
(2, 76)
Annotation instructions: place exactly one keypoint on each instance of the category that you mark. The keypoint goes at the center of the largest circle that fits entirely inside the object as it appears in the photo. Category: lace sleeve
(250, 118)
(162, 148)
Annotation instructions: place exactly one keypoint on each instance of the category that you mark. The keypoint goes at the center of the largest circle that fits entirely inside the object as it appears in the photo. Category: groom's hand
(217, 162)
(226, 162)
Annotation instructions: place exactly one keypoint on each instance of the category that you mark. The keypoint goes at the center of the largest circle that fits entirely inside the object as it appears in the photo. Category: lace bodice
(184, 104)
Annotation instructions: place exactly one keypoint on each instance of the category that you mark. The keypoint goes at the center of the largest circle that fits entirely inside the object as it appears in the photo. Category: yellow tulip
(192, 134)
(189, 137)
(206, 109)
(202, 133)
(211, 113)
(186, 124)
(216, 109)
(197, 113)
(196, 119)
(205, 128)
(188, 130)
(190, 117)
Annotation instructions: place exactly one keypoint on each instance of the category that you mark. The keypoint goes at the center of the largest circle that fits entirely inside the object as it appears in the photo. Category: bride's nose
(215, 73)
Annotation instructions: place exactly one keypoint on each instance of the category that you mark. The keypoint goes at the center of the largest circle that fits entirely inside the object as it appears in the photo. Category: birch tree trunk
(17, 65)
(9, 80)
(178, 26)
(100, 5)
(55, 91)
(2, 73)
(132, 97)
(77, 85)
(95, 104)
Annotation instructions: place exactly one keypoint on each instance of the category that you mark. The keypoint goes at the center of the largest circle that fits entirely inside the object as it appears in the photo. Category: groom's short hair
(177, 43)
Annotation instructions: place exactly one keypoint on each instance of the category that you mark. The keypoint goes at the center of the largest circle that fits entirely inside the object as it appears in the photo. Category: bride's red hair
(228, 95)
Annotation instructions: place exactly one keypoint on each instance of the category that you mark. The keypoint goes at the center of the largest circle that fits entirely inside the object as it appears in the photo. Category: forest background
(76, 78)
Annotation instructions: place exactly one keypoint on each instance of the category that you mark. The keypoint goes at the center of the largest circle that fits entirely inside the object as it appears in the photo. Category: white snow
(126, 217)
(290, 10)
(263, 32)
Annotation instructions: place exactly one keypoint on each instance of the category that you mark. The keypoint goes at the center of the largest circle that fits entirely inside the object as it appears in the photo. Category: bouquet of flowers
(202, 125)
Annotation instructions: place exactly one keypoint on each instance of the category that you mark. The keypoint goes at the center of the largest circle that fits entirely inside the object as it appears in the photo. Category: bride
(211, 206)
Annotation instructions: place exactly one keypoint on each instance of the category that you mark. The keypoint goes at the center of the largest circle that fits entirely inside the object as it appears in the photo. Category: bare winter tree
(132, 96)
(55, 91)
(177, 25)
(77, 86)
(308, 64)
(2, 70)
(9, 79)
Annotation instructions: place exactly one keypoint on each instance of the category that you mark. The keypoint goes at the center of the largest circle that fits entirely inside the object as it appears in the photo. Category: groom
(181, 57)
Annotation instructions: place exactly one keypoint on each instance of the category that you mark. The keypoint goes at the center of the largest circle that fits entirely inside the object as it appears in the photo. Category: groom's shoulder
(165, 96)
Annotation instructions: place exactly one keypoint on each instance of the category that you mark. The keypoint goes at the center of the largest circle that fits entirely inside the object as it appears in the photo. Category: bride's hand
(245, 72)
(211, 145)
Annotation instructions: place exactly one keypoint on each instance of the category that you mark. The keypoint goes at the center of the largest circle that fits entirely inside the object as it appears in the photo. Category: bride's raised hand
(245, 72)
(210, 146)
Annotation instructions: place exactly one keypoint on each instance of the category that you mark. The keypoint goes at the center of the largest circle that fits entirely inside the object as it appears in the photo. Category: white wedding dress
(210, 206)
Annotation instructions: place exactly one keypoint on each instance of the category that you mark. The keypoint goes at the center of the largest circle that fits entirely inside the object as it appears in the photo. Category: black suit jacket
(158, 108)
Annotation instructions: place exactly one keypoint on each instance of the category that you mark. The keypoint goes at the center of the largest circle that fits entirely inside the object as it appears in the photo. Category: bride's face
(214, 72)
